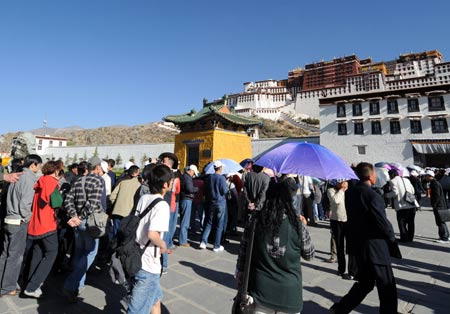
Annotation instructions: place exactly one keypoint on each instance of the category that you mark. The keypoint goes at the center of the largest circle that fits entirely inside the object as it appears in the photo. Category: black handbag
(443, 214)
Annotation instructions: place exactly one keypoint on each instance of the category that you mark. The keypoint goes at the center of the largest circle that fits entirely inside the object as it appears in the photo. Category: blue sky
(94, 63)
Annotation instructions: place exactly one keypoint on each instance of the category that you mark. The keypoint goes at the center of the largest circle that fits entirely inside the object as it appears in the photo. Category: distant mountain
(156, 132)
(55, 131)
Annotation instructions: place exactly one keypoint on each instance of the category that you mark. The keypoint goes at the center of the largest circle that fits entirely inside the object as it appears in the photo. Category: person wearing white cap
(417, 184)
(106, 177)
(439, 205)
(187, 194)
(215, 192)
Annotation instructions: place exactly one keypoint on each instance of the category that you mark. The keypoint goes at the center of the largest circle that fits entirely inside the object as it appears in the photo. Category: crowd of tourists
(45, 208)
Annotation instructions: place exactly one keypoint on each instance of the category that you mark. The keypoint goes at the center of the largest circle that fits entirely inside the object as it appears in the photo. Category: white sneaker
(219, 249)
(442, 241)
(202, 245)
(34, 294)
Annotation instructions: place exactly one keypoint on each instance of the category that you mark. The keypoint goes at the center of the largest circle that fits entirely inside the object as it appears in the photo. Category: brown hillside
(147, 133)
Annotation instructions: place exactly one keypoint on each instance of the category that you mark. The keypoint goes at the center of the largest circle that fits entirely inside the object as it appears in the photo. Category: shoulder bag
(96, 222)
(408, 197)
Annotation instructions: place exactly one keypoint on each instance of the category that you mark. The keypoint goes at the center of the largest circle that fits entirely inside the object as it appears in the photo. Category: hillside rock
(156, 132)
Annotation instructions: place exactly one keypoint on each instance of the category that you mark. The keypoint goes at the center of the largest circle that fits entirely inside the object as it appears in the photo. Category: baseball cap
(94, 161)
(194, 168)
(104, 165)
(218, 164)
(128, 165)
(429, 173)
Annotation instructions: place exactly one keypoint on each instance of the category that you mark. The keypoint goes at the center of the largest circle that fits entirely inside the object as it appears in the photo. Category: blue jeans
(86, 248)
(168, 236)
(172, 226)
(197, 216)
(316, 211)
(186, 207)
(116, 223)
(146, 292)
(217, 213)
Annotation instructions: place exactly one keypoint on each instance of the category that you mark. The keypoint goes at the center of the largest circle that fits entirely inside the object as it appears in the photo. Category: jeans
(217, 213)
(168, 236)
(146, 292)
(186, 207)
(85, 251)
(14, 242)
(172, 226)
(442, 226)
(45, 251)
(315, 211)
(197, 216)
(116, 223)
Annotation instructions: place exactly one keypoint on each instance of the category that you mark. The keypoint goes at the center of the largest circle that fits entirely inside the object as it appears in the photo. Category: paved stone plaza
(201, 281)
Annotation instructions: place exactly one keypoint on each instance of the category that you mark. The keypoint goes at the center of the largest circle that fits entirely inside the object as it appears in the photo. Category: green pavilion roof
(207, 111)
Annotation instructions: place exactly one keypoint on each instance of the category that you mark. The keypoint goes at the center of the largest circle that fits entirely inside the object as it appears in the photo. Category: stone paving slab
(201, 281)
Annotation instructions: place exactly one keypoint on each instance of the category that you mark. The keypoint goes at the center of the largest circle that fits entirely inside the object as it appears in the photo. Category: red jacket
(43, 217)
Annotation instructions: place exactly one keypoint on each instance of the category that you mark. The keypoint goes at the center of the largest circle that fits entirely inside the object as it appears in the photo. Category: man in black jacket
(438, 203)
(187, 193)
(371, 238)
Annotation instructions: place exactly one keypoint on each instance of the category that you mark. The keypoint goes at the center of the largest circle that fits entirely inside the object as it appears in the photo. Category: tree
(67, 159)
(85, 156)
(75, 158)
(118, 159)
(96, 151)
(144, 159)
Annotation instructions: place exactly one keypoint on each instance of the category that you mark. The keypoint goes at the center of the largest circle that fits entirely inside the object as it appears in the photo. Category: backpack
(126, 248)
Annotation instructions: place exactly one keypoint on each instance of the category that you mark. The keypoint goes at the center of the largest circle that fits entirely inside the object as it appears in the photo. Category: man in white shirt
(147, 292)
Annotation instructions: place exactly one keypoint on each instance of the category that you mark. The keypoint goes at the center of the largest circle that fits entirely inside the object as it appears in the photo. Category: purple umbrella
(306, 159)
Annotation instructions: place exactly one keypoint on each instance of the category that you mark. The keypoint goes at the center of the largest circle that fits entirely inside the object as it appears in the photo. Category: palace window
(392, 106)
(359, 128)
(416, 126)
(395, 127)
(439, 125)
(436, 103)
(376, 127)
(342, 129)
(374, 107)
(361, 149)
(357, 111)
(340, 111)
(413, 105)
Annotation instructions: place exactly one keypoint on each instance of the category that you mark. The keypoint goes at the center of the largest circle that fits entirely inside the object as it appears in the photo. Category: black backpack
(127, 249)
